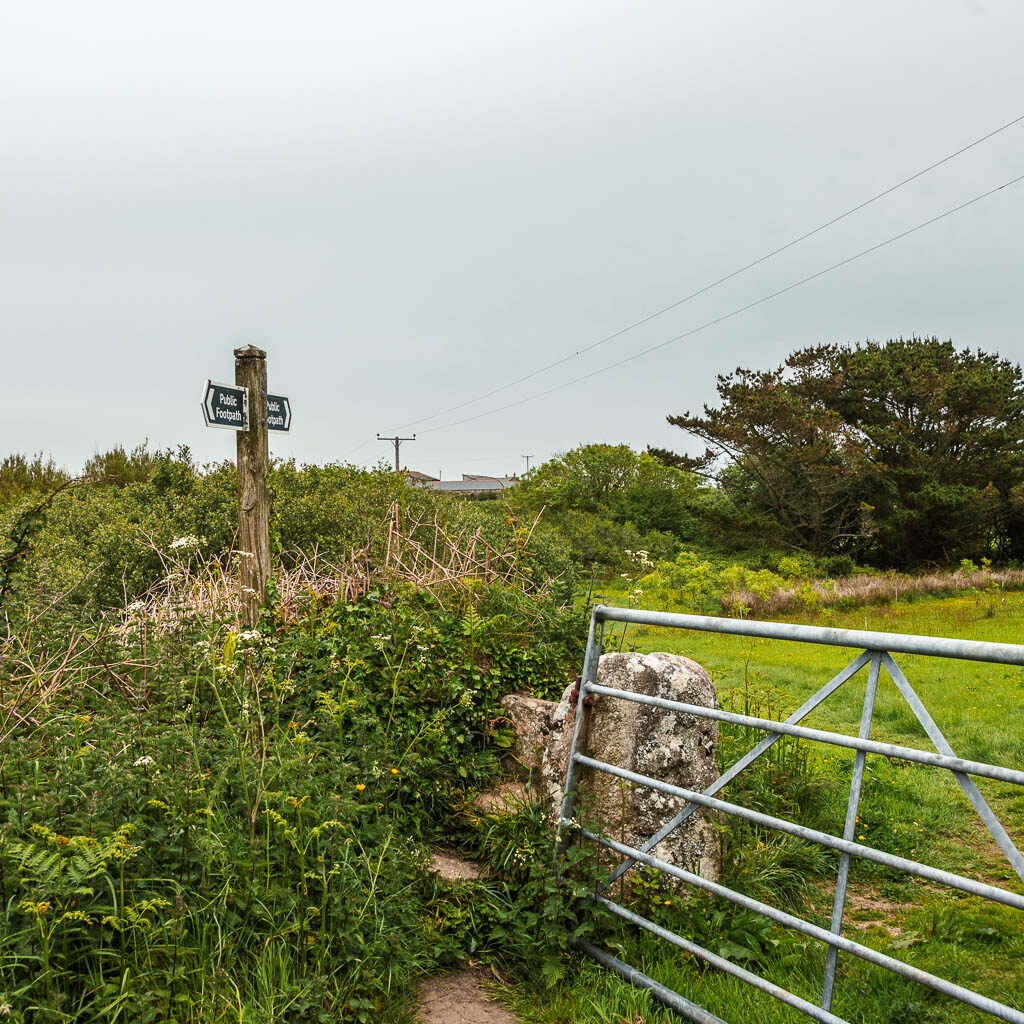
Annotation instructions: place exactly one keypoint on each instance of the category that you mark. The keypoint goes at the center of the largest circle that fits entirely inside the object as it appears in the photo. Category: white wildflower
(143, 761)
(188, 541)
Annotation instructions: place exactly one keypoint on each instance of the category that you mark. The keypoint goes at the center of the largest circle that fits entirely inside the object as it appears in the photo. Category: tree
(587, 478)
(20, 476)
(909, 451)
(944, 432)
(612, 479)
(119, 467)
(785, 453)
(592, 493)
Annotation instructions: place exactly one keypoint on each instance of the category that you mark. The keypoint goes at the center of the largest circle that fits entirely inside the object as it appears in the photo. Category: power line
(735, 312)
(447, 458)
(721, 280)
(362, 444)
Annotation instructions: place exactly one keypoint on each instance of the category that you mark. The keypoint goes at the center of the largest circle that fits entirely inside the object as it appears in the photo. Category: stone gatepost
(667, 745)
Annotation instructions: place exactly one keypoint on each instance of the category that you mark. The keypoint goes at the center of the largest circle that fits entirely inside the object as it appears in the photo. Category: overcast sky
(409, 204)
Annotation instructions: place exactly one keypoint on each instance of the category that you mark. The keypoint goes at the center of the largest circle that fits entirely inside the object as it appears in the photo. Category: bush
(98, 547)
(23, 477)
(204, 824)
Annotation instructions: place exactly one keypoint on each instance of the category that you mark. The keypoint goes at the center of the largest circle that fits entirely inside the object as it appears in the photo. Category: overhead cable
(728, 316)
(721, 280)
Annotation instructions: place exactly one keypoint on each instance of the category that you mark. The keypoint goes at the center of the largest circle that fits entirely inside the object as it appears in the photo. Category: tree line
(907, 454)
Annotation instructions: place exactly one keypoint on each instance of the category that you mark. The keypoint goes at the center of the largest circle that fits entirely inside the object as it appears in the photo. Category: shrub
(206, 824)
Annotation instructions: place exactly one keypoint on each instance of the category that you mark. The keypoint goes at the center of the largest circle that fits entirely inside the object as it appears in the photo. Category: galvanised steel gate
(877, 653)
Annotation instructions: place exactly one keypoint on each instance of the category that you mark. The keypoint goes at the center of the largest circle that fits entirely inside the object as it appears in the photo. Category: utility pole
(397, 441)
(528, 457)
(253, 507)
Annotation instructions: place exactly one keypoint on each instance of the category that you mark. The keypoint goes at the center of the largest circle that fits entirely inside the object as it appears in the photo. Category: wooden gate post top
(250, 352)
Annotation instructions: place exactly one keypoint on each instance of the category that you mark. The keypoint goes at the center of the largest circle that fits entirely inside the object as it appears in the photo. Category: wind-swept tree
(914, 444)
(788, 454)
(944, 431)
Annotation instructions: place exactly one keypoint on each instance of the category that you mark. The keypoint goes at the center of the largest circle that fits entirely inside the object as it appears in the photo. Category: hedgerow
(201, 823)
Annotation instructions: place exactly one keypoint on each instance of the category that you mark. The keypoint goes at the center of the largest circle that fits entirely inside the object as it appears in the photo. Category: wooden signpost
(247, 409)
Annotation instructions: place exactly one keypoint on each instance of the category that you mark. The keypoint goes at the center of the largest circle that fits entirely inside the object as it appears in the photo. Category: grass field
(910, 810)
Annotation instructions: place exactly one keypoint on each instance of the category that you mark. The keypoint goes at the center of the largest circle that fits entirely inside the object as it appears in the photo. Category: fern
(61, 869)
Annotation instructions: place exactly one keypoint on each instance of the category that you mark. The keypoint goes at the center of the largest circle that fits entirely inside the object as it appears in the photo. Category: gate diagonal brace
(935, 734)
(743, 763)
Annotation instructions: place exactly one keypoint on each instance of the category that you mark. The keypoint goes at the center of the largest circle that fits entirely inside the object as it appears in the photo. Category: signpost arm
(253, 505)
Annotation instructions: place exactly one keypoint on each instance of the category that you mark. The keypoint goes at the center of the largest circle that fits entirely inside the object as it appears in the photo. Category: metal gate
(877, 651)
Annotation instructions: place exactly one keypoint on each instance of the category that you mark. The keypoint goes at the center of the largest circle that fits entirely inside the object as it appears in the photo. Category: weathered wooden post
(247, 409)
(253, 506)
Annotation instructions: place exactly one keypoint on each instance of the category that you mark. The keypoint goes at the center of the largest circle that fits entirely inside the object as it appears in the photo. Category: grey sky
(409, 203)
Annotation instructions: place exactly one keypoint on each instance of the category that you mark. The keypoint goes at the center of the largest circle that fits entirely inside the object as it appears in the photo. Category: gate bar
(836, 739)
(949, 988)
(903, 643)
(911, 867)
(691, 1011)
(748, 758)
(850, 829)
(824, 1016)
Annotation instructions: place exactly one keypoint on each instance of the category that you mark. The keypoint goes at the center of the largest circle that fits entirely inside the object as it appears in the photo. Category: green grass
(909, 810)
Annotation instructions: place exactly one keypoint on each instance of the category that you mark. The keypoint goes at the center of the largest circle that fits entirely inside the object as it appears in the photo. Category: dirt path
(460, 998)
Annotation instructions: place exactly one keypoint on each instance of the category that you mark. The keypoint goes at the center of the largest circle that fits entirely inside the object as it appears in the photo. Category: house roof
(479, 485)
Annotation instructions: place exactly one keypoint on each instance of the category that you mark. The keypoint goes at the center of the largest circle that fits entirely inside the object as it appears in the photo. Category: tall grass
(871, 589)
(204, 824)
(419, 551)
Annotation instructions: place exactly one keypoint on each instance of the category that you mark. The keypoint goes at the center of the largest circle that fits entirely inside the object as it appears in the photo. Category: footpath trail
(463, 997)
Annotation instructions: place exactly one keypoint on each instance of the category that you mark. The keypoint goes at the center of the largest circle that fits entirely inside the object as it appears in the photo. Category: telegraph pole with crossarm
(397, 441)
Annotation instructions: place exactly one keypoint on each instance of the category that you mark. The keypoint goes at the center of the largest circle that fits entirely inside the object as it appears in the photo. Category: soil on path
(460, 998)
